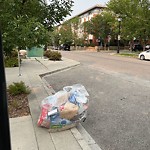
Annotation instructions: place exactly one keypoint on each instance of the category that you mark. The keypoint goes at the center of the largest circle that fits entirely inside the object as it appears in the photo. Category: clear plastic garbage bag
(65, 109)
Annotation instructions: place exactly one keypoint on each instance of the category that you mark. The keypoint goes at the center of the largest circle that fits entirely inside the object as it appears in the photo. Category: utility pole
(4, 119)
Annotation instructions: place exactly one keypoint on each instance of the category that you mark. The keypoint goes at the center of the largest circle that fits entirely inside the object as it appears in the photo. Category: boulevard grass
(129, 54)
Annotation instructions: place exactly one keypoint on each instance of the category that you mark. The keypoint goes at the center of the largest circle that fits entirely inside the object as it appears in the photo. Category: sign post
(4, 120)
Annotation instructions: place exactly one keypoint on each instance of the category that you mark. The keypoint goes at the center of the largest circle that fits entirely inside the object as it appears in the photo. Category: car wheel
(142, 57)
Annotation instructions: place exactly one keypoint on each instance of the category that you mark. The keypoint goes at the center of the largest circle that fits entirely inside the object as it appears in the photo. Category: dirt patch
(18, 105)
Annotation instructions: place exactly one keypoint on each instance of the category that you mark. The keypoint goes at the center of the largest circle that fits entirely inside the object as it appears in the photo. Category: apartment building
(83, 17)
(86, 16)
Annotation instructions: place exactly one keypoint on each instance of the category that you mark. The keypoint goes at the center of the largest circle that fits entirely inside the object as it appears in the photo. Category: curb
(58, 70)
(81, 135)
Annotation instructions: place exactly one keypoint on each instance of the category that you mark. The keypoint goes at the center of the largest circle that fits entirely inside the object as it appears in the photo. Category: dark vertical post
(4, 120)
(118, 49)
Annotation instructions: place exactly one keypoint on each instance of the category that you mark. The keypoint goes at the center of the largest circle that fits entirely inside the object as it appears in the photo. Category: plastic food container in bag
(65, 109)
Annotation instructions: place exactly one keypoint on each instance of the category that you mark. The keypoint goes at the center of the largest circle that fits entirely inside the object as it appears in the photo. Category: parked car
(144, 55)
(65, 47)
(137, 47)
(61, 47)
(147, 47)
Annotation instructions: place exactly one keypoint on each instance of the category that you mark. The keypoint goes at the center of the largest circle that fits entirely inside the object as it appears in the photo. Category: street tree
(55, 37)
(70, 32)
(101, 26)
(135, 16)
(27, 23)
(76, 27)
(66, 34)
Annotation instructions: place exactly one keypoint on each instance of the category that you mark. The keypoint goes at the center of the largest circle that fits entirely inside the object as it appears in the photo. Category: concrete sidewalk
(25, 134)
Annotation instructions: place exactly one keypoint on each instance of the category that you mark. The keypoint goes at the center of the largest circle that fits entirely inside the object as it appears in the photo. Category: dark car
(66, 47)
(137, 47)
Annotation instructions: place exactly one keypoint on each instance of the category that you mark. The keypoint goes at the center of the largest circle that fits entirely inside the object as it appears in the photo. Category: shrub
(52, 55)
(47, 53)
(14, 53)
(18, 88)
(11, 62)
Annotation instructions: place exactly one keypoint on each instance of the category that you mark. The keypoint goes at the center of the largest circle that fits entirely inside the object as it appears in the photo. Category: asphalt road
(119, 113)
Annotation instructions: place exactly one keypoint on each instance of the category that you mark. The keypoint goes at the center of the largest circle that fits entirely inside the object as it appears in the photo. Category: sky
(82, 5)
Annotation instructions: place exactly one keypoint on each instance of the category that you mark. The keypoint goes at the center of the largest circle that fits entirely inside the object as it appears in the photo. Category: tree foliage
(135, 16)
(25, 23)
(75, 25)
(66, 34)
(101, 26)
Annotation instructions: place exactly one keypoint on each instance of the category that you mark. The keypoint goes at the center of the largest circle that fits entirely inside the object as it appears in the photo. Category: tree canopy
(68, 33)
(101, 26)
(135, 16)
(26, 23)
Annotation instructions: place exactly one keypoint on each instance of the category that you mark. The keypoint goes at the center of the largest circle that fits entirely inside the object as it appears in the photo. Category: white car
(145, 55)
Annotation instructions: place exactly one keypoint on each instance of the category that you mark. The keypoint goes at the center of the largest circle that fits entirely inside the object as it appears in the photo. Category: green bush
(18, 88)
(11, 59)
(52, 55)
(14, 53)
(47, 53)
(11, 62)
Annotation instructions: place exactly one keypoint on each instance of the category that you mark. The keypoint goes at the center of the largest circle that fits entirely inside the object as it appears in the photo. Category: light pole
(59, 41)
(119, 20)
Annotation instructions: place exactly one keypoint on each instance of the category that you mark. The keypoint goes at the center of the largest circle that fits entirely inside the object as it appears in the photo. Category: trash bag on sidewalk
(65, 109)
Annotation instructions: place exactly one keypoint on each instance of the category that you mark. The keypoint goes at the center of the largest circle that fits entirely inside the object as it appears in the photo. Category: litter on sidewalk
(65, 109)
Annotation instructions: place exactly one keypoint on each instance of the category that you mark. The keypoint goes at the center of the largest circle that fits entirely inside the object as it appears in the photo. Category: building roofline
(89, 9)
(85, 11)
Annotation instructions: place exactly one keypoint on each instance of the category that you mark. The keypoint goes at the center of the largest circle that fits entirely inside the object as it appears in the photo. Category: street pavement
(25, 134)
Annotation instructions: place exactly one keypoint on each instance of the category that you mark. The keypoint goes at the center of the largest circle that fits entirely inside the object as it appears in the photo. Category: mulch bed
(18, 105)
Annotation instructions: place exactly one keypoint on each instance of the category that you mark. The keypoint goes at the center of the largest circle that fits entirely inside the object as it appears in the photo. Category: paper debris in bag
(69, 111)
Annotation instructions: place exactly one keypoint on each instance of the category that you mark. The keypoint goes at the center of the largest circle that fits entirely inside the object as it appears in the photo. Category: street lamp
(59, 42)
(119, 20)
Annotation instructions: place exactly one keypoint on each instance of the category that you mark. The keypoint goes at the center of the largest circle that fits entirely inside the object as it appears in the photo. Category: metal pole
(19, 65)
(4, 120)
(118, 49)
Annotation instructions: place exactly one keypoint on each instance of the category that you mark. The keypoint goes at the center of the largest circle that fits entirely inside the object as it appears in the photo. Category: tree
(75, 25)
(135, 16)
(65, 32)
(101, 26)
(69, 32)
(55, 37)
(26, 23)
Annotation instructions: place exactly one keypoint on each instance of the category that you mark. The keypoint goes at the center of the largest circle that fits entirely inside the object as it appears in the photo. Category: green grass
(126, 53)
(129, 54)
